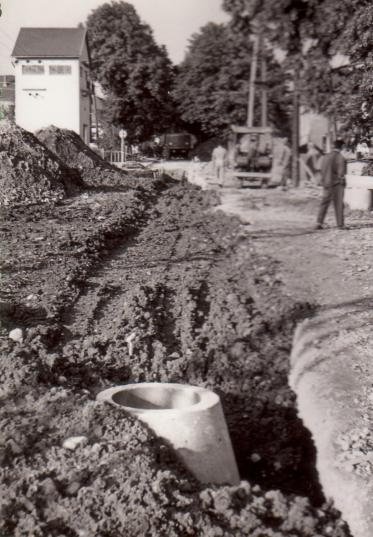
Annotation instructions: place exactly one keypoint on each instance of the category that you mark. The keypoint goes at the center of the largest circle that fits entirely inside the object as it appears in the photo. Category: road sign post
(122, 136)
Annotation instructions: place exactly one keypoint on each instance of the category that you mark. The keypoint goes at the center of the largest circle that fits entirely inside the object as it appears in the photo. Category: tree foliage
(133, 70)
(212, 84)
(312, 33)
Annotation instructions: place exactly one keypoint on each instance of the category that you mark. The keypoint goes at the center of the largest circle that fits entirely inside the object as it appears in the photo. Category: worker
(219, 160)
(285, 162)
(333, 171)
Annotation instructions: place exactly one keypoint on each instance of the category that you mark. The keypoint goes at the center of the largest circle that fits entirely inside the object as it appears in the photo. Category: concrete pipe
(190, 418)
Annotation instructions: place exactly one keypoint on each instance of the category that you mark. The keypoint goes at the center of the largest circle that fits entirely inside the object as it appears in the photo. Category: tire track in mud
(152, 256)
(200, 307)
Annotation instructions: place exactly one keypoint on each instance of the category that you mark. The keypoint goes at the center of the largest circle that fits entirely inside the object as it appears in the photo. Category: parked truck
(176, 145)
(169, 145)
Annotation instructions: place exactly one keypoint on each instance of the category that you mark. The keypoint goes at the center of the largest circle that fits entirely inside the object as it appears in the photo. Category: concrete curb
(330, 371)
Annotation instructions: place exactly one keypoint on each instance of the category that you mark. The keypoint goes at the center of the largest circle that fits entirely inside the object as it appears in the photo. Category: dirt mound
(29, 172)
(121, 480)
(94, 171)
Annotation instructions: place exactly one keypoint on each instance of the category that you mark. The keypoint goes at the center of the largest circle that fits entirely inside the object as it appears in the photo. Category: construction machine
(250, 152)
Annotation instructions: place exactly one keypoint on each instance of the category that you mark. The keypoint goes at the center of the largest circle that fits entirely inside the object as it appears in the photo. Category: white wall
(45, 99)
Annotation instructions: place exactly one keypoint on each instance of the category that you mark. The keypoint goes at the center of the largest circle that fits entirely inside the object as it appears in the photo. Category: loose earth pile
(29, 172)
(95, 171)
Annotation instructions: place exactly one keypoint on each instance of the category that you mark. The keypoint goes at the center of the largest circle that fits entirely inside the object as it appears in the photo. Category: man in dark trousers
(333, 171)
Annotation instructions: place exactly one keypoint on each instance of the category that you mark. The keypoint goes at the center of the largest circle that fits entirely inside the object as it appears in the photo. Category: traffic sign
(122, 134)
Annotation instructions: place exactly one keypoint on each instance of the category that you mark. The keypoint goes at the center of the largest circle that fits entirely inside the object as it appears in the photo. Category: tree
(211, 86)
(356, 41)
(311, 33)
(135, 73)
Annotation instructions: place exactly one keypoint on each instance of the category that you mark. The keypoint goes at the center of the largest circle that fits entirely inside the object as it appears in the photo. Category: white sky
(173, 21)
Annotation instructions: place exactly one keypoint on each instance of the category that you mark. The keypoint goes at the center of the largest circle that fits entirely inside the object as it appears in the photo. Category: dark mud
(202, 307)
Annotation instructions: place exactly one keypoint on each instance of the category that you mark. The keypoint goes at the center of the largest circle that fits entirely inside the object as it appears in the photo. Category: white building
(52, 79)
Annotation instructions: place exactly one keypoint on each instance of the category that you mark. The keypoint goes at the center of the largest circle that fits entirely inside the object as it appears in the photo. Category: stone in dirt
(74, 442)
(16, 335)
(29, 172)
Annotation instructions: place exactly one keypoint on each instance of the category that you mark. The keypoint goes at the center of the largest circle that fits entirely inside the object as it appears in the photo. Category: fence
(116, 158)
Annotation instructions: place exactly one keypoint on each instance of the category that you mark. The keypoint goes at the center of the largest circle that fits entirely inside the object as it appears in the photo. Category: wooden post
(253, 69)
(295, 133)
(96, 119)
(264, 89)
(122, 149)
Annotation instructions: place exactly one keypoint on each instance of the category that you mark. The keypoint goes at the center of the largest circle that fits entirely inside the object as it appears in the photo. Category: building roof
(49, 43)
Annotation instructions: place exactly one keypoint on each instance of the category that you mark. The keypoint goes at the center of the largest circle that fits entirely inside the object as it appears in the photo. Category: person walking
(333, 171)
(219, 158)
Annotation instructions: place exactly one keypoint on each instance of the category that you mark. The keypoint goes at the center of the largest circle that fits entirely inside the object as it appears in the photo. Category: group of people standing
(333, 171)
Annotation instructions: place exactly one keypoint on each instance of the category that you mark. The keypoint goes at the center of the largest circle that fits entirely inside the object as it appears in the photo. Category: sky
(173, 21)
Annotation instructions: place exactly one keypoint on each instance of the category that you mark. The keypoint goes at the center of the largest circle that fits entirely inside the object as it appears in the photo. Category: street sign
(122, 134)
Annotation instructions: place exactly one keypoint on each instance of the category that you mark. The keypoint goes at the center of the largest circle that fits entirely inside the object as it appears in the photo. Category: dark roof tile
(49, 43)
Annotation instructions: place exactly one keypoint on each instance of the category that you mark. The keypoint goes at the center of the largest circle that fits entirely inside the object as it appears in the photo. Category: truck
(176, 145)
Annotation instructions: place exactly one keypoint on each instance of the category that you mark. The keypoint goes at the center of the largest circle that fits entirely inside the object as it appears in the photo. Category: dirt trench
(202, 307)
(184, 289)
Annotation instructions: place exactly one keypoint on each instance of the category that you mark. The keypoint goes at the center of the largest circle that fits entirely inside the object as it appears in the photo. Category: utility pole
(264, 98)
(258, 53)
(253, 70)
(93, 94)
(295, 132)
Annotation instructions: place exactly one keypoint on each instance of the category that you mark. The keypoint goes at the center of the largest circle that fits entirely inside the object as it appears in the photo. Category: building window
(60, 69)
(32, 69)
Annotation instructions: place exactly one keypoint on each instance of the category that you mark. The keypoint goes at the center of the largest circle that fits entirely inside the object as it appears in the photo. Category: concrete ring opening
(156, 397)
(190, 418)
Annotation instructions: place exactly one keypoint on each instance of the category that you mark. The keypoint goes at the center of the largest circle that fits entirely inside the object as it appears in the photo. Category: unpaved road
(201, 296)
(329, 266)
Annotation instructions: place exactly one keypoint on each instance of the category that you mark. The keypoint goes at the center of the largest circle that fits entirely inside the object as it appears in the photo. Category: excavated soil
(93, 170)
(201, 306)
(29, 172)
